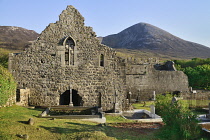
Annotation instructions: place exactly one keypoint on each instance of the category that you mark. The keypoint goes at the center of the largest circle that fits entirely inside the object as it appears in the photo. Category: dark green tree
(197, 70)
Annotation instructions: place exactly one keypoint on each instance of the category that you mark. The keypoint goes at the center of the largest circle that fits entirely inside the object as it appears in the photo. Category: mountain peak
(144, 24)
(146, 37)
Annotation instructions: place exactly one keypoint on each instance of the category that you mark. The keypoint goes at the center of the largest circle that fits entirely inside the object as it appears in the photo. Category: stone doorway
(22, 97)
(65, 98)
(76, 98)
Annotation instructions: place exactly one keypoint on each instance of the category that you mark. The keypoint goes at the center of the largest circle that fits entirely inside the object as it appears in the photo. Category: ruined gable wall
(71, 24)
(40, 69)
(142, 79)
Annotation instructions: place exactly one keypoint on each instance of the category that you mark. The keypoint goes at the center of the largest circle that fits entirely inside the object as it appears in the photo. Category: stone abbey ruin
(67, 65)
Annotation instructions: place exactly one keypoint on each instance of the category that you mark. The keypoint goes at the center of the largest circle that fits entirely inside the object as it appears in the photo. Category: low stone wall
(11, 101)
(199, 95)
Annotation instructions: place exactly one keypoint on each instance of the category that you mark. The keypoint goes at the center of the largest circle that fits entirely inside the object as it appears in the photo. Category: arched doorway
(76, 98)
(65, 98)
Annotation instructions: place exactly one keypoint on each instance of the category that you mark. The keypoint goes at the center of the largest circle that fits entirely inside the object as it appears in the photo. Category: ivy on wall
(7, 85)
(4, 55)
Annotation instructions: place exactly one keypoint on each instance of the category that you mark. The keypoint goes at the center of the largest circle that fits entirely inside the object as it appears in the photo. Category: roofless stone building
(67, 65)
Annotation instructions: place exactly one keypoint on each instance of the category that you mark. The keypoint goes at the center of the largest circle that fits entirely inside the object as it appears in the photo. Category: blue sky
(187, 19)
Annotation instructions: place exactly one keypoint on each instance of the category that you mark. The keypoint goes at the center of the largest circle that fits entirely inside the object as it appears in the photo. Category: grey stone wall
(42, 69)
(11, 101)
(68, 57)
(142, 79)
(199, 95)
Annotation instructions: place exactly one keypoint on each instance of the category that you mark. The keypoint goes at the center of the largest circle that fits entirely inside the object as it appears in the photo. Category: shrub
(199, 76)
(197, 70)
(7, 85)
(180, 122)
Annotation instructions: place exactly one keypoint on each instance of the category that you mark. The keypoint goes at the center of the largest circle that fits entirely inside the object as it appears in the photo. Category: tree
(199, 77)
(197, 70)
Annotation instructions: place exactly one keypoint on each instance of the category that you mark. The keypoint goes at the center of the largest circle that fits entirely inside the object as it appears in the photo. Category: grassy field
(195, 105)
(143, 105)
(13, 122)
(186, 103)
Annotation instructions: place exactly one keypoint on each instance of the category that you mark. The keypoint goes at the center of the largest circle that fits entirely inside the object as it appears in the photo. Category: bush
(192, 63)
(180, 122)
(7, 85)
(197, 70)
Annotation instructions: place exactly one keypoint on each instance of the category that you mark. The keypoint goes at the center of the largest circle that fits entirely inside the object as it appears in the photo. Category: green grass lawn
(196, 106)
(143, 105)
(186, 103)
(13, 122)
(195, 103)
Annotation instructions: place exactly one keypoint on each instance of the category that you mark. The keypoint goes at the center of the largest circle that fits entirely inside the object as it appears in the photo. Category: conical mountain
(146, 37)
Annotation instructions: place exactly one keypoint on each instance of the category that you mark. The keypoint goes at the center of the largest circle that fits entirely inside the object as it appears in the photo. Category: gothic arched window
(69, 51)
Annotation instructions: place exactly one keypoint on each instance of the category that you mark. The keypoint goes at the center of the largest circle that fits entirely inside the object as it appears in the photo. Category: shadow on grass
(36, 109)
(79, 129)
(59, 129)
(71, 128)
(24, 122)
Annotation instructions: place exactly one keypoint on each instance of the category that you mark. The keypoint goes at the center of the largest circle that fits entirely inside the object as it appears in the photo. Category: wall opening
(18, 95)
(100, 100)
(76, 98)
(102, 60)
(22, 97)
(69, 51)
(65, 98)
(176, 93)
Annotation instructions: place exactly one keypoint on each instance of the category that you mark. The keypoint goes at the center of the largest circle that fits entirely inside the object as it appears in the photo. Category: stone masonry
(67, 65)
(142, 79)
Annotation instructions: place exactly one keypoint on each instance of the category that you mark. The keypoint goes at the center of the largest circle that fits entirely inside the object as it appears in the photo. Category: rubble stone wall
(11, 101)
(67, 55)
(199, 95)
(42, 69)
(143, 79)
